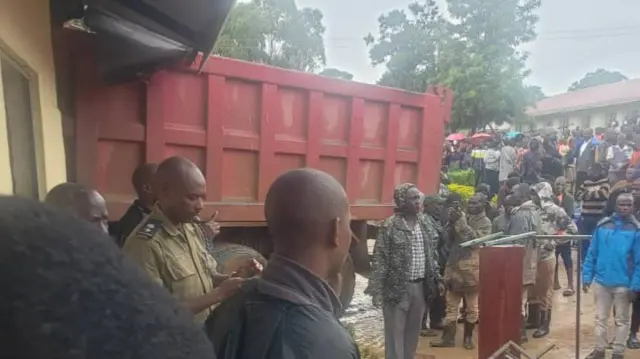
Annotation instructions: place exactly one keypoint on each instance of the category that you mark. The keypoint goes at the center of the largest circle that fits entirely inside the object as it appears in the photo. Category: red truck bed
(244, 124)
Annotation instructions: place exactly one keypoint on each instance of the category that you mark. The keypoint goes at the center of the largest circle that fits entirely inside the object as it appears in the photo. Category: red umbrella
(456, 137)
(480, 137)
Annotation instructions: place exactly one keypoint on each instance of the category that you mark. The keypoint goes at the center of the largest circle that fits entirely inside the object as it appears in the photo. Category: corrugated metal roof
(617, 93)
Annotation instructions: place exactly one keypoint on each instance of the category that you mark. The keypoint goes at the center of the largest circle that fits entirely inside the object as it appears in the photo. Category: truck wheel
(348, 283)
(230, 257)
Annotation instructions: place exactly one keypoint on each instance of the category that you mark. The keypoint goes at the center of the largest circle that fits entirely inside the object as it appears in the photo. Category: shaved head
(82, 201)
(522, 192)
(141, 179)
(307, 210)
(180, 189)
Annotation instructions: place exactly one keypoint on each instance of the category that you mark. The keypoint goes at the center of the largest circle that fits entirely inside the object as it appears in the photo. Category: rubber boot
(448, 337)
(596, 354)
(545, 320)
(633, 342)
(468, 336)
(533, 320)
(523, 331)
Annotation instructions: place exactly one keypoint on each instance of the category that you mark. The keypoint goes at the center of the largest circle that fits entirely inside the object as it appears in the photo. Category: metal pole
(481, 240)
(508, 239)
(578, 295)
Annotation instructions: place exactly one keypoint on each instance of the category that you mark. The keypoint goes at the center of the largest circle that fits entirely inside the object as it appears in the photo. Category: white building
(589, 108)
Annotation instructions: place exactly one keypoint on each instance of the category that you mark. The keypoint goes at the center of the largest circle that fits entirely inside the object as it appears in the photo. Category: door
(17, 99)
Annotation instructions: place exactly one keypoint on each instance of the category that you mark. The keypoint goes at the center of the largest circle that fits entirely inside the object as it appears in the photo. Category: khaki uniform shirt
(175, 257)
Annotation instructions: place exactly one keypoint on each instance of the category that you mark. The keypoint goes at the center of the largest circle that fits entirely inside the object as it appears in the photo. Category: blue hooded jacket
(613, 259)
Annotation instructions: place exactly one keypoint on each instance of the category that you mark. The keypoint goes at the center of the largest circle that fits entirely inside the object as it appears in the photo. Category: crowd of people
(584, 183)
(78, 286)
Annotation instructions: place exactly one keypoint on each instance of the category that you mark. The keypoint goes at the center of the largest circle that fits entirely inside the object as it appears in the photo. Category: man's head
(476, 204)
(521, 192)
(611, 136)
(79, 298)
(587, 133)
(308, 216)
(596, 172)
(82, 201)
(510, 202)
(180, 188)
(433, 204)
(534, 144)
(483, 188)
(511, 182)
(407, 199)
(141, 180)
(559, 185)
(622, 140)
(624, 205)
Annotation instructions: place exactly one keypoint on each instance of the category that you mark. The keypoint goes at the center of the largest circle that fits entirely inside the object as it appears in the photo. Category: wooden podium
(500, 298)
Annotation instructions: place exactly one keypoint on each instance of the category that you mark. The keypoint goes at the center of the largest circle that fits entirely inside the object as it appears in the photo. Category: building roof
(617, 93)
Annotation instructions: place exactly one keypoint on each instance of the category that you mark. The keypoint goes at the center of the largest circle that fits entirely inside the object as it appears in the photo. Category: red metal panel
(244, 124)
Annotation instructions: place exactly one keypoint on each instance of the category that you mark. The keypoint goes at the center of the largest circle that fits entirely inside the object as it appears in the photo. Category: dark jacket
(286, 314)
(131, 219)
(568, 203)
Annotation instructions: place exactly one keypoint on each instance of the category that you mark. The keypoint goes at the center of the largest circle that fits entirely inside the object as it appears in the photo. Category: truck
(244, 124)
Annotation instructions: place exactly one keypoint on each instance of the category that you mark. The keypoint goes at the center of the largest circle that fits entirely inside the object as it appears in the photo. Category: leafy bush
(464, 191)
(462, 177)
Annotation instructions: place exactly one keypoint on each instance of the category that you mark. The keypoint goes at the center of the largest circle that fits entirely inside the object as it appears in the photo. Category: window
(20, 132)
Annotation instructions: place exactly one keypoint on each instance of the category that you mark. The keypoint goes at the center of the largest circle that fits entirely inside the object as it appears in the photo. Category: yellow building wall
(25, 35)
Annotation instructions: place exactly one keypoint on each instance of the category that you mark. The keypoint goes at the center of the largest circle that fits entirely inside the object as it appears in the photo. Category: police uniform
(173, 256)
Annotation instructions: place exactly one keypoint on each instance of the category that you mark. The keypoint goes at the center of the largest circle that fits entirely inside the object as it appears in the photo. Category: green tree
(335, 73)
(597, 78)
(274, 32)
(473, 51)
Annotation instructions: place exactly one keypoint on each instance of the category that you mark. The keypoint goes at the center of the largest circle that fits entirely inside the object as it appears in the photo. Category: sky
(575, 37)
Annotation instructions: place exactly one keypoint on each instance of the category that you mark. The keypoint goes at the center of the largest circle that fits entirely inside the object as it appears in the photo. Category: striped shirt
(594, 196)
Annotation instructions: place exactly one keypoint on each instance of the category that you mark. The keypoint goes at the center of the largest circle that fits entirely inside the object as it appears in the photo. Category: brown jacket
(526, 218)
(463, 267)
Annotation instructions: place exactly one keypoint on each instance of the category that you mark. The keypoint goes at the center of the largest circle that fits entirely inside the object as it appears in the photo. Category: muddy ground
(367, 321)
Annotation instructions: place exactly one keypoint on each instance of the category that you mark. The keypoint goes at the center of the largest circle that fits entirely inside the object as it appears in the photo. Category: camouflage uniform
(461, 275)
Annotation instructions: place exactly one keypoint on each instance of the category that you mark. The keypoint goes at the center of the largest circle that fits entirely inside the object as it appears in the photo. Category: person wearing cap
(433, 211)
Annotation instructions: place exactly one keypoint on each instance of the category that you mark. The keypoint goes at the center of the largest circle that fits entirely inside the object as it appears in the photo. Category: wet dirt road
(367, 321)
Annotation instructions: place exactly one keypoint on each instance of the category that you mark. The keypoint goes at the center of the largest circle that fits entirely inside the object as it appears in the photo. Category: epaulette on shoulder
(604, 220)
(149, 228)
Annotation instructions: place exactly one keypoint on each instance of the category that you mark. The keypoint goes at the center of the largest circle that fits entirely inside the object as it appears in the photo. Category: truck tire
(348, 283)
(230, 257)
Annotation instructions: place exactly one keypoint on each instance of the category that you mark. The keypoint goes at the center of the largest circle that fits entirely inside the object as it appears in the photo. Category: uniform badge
(150, 228)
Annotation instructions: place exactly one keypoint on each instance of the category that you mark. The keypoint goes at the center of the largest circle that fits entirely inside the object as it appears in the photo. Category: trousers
(403, 322)
(453, 303)
(543, 288)
(606, 299)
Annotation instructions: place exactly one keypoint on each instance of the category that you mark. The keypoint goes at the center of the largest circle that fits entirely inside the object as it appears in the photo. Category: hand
(228, 288)
(441, 288)
(454, 214)
(250, 268)
(214, 227)
(585, 288)
(377, 301)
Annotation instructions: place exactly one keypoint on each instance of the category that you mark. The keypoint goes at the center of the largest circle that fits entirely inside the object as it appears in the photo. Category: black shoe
(533, 319)
(596, 354)
(543, 330)
(523, 331)
(633, 342)
(468, 336)
(617, 356)
(448, 337)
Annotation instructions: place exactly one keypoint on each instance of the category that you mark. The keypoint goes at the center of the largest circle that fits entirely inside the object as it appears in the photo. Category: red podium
(500, 298)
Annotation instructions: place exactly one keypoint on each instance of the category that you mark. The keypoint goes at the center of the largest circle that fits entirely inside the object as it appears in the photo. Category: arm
(464, 231)
(378, 263)
(635, 278)
(580, 193)
(604, 191)
(588, 268)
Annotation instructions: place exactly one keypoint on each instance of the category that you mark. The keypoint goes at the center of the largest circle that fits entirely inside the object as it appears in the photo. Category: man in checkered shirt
(405, 274)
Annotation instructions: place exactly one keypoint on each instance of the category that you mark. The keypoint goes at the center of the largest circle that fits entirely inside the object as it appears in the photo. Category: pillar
(500, 295)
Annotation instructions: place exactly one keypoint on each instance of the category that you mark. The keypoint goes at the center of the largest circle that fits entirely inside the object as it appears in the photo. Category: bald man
(290, 312)
(170, 247)
(82, 201)
(141, 207)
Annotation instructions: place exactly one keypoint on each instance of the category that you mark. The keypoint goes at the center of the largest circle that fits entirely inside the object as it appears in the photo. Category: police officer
(171, 248)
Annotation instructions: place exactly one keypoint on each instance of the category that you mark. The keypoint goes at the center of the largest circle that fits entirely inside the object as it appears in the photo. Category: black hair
(68, 292)
(513, 174)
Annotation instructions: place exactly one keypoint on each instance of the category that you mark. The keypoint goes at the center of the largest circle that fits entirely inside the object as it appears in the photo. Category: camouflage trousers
(453, 303)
